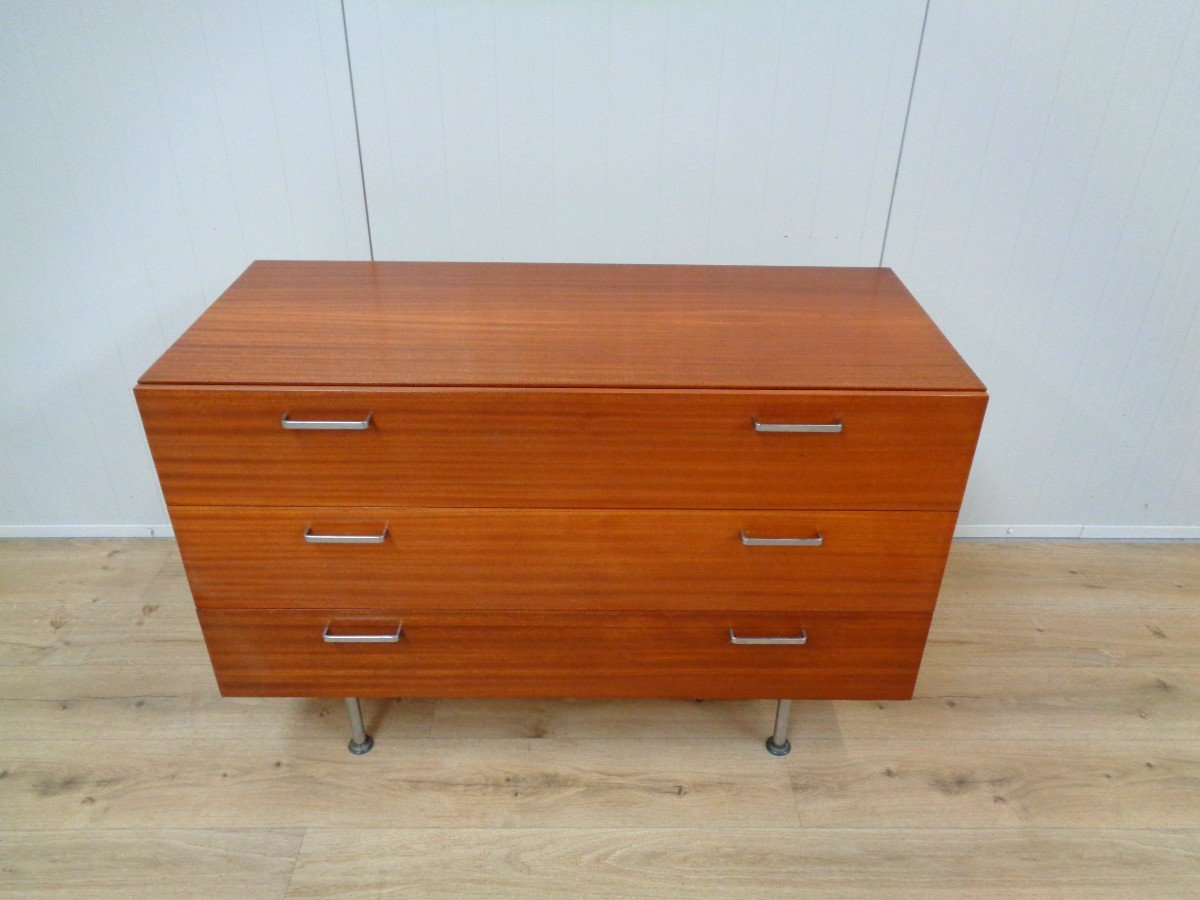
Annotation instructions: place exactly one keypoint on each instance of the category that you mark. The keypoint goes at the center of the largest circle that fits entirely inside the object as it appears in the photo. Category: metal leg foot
(360, 741)
(778, 743)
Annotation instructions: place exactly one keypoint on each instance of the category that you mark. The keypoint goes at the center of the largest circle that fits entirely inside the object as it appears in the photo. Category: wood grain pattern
(959, 703)
(581, 396)
(103, 765)
(65, 571)
(110, 631)
(1058, 703)
(663, 862)
(549, 448)
(972, 634)
(564, 783)
(1092, 576)
(565, 559)
(198, 862)
(198, 710)
(509, 324)
(976, 784)
(292, 783)
(557, 654)
(1001, 636)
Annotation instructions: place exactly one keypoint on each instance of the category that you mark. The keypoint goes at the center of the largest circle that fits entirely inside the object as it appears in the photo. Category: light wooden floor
(1054, 748)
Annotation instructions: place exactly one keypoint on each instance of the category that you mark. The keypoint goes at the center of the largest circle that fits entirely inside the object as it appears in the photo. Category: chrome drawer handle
(362, 638)
(783, 542)
(326, 424)
(801, 638)
(798, 427)
(310, 538)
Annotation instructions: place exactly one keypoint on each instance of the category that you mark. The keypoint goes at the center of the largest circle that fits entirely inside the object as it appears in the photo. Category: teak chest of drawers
(494, 480)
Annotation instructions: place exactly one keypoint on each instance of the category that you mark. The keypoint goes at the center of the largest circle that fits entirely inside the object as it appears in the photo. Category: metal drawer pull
(362, 638)
(783, 542)
(799, 427)
(310, 538)
(802, 638)
(326, 424)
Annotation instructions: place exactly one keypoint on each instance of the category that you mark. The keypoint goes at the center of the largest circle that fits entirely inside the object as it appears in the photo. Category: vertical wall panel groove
(1042, 212)
(726, 132)
(1030, 168)
(150, 151)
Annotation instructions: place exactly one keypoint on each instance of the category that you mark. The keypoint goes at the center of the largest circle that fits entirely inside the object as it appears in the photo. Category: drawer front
(562, 559)
(563, 448)
(529, 654)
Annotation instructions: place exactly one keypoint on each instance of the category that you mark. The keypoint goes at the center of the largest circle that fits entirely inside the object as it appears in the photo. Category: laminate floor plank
(291, 783)
(137, 863)
(992, 635)
(42, 568)
(107, 682)
(146, 702)
(777, 861)
(145, 617)
(567, 783)
(634, 720)
(1029, 702)
(152, 717)
(148, 633)
(996, 784)
(1082, 575)
(119, 703)
(1058, 703)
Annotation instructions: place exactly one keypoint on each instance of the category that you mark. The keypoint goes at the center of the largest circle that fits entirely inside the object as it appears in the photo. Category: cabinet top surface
(565, 325)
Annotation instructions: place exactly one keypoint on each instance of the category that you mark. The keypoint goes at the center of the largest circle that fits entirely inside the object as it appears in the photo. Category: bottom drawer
(286, 652)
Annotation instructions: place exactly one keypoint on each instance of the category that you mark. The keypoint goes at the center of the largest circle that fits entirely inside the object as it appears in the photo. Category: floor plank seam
(287, 888)
(720, 829)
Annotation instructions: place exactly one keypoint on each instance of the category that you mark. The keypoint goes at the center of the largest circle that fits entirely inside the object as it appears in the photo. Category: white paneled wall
(736, 132)
(150, 151)
(1048, 214)
(1046, 204)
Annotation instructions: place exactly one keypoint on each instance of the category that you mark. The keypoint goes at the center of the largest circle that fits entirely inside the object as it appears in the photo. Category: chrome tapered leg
(360, 741)
(778, 743)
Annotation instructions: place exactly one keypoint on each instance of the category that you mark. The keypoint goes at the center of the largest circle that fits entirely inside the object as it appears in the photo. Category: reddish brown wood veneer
(569, 559)
(564, 457)
(555, 654)
(574, 449)
(565, 325)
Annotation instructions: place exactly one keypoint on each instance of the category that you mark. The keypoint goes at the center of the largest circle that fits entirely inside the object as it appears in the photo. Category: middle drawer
(291, 557)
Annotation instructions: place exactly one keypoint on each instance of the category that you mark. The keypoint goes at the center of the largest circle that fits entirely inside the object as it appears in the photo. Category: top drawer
(563, 448)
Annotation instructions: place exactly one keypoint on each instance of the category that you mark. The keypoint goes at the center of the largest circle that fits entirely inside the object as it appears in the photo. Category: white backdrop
(1034, 184)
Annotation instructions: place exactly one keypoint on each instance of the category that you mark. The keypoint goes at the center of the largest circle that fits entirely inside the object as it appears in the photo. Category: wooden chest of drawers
(436, 479)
